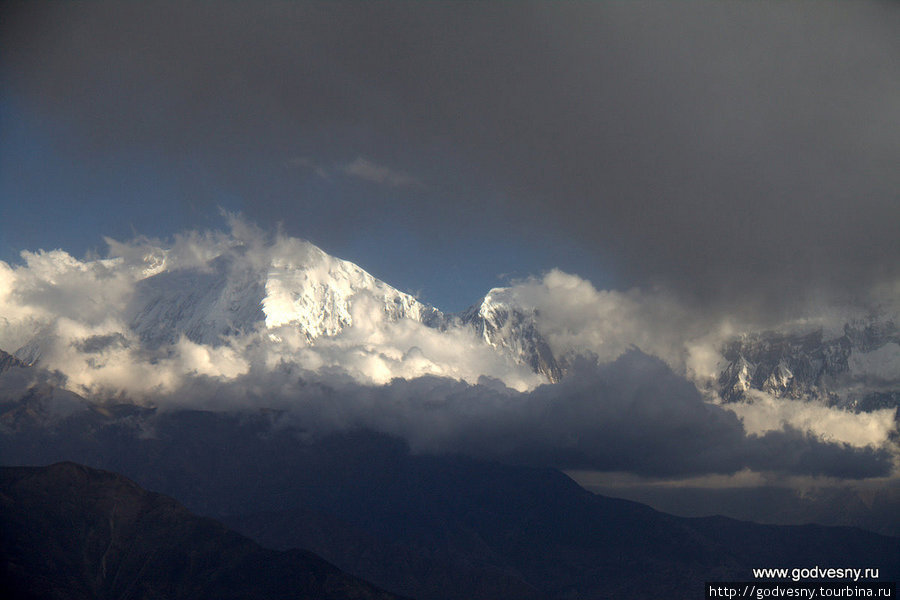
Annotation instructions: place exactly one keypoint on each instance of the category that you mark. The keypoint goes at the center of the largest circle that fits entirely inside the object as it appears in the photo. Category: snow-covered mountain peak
(224, 305)
(203, 304)
(218, 304)
(503, 322)
(289, 283)
(315, 291)
(498, 301)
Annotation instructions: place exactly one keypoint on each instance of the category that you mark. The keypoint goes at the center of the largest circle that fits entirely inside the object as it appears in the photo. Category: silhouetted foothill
(71, 532)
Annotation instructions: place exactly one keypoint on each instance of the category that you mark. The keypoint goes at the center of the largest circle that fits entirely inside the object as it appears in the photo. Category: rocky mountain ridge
(855, 370)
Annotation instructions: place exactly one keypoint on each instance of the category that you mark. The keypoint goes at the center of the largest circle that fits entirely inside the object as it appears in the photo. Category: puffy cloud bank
(576, 318)
(633, 415)
(227, 331)
(151, 315)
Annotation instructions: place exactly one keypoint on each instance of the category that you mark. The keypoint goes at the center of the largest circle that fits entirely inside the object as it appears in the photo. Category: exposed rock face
(857, 370)
(8, 361)
(513, 329)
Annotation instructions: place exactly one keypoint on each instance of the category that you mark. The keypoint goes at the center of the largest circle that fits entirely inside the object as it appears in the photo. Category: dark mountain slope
(438, 527)
(8, 361)
(73, 532)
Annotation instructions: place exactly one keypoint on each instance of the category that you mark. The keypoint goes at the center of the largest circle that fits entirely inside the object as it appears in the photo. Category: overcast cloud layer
(742, 154)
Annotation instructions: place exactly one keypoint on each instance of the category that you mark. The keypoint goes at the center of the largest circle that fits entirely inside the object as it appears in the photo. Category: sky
(650, 177)
(741, 155)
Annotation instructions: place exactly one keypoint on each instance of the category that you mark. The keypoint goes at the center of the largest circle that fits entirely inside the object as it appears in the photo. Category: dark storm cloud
(632, 415)
(737, 152)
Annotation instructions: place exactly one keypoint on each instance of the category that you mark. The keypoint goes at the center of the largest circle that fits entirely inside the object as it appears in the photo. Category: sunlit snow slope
(297, 285)
(227, 304)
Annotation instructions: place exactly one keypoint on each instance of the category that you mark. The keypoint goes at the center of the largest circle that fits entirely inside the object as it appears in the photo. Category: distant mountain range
(432, 527)
(297, 287)
(856, 370)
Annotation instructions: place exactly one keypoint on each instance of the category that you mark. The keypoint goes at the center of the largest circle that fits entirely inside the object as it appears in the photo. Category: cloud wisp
(360, 168)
